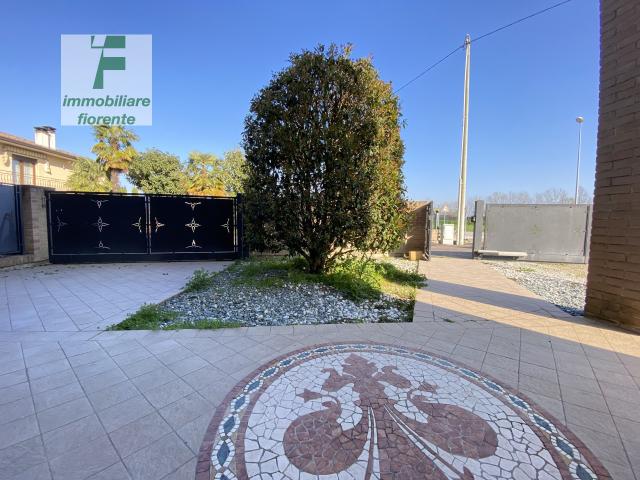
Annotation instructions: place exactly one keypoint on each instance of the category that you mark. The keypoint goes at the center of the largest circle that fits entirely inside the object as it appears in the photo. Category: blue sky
(528, 83)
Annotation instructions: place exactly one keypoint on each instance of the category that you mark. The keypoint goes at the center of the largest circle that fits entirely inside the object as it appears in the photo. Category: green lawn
(154, 317)
(358, 279)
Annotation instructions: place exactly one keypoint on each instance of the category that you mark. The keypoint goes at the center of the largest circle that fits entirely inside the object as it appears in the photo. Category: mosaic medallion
(370, 411)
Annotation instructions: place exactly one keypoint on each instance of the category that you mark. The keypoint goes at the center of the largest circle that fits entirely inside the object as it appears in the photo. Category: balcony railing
(35, 180)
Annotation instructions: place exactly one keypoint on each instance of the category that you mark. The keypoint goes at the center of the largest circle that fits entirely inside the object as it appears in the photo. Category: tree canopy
(155, 171)
(203, 174)
(234, 171)
(208, 174)
(324, 158)
(88, 176)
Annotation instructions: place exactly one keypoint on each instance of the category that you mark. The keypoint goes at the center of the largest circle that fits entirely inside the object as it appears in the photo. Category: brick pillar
(34, 223)
(613, 284)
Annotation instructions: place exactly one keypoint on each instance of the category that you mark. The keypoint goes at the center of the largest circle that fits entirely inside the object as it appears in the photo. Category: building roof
(23, 142)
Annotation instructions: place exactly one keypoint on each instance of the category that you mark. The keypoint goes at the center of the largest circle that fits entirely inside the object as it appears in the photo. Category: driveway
(67, 298)
(488, 381)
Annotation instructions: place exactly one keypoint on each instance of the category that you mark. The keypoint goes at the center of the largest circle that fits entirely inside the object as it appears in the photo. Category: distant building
(38, 162)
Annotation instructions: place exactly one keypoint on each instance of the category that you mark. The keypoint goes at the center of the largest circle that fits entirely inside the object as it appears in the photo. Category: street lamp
(580, 121)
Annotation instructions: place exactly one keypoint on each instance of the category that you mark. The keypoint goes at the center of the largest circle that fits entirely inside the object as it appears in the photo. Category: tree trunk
(115, 179)
(317, 262)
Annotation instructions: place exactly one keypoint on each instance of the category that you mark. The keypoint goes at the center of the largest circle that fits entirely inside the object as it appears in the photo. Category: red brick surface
(613, 286)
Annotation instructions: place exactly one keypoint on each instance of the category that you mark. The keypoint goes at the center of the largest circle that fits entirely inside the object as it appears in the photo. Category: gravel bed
(299, 304)
(563, 289)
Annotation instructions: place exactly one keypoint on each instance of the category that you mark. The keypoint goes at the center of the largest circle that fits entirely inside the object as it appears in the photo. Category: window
(24, 170)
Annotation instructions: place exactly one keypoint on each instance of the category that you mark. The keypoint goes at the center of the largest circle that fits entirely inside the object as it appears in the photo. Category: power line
(429, 68)
(539, 12)
(503, 27)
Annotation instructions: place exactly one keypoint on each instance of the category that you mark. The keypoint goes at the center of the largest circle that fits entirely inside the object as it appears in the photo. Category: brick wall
(613, 284)
(35, 241)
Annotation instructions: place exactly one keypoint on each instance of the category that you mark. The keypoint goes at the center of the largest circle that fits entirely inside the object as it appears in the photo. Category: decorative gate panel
(184, 224)
(90, 227)
(92, 224)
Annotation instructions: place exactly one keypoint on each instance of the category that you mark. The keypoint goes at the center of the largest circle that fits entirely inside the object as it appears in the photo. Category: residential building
(37, 162)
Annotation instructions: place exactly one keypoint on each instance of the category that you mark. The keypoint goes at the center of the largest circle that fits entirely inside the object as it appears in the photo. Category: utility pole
(462, 186)
(579, 120)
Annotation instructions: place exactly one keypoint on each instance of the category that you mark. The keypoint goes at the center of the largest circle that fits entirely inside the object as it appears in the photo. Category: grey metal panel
(10, 231)
(556, 233)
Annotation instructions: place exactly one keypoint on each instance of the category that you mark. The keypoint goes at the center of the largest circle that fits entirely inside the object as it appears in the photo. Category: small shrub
(200, 280)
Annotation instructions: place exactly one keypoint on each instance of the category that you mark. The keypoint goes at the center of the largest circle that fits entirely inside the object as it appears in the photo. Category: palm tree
(88, 176)
(114, 149)
(203, 175)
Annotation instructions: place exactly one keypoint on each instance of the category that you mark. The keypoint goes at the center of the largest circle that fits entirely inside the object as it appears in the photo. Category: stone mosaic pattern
(370, 411)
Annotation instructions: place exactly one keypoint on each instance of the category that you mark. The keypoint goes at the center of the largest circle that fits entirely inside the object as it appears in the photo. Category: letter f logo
(108, 63)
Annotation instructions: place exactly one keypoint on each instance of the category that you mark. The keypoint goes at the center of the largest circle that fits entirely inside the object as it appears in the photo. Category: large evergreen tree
(324, 157)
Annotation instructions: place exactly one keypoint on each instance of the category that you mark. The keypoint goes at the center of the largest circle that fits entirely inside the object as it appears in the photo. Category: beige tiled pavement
(120, 405)
(63, 298)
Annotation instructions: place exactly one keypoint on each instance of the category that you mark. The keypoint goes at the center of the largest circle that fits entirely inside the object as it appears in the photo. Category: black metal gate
(428, 225)
(90, 227)
(10, 228)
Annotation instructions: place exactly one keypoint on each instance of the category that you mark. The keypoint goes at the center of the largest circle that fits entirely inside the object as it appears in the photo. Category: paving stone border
(223, 442)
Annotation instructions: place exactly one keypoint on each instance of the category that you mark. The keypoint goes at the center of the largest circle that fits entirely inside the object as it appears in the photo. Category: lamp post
(580, 121)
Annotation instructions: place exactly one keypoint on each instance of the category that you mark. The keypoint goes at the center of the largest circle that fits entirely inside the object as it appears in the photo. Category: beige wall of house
(26, 162)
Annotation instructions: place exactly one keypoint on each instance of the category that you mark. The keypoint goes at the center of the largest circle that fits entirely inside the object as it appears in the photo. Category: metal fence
(10, 221)
(537, 232)
(89, 227)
